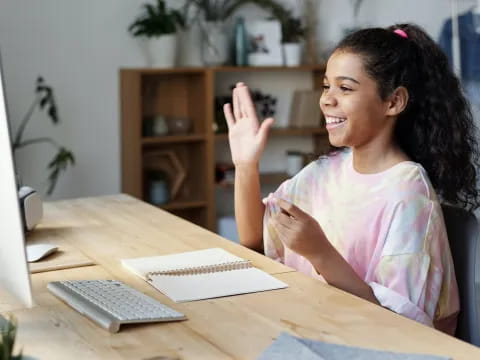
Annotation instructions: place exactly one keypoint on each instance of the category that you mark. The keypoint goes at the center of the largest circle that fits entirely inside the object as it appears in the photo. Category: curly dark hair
(436, 129)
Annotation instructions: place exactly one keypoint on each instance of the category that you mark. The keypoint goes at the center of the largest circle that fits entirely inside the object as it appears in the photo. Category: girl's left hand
(301, 232)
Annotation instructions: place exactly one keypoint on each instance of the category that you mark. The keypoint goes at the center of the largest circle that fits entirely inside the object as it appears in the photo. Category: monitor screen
(14, 275)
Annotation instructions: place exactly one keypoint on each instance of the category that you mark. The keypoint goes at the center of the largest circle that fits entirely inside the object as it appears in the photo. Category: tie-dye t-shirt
(388, 226)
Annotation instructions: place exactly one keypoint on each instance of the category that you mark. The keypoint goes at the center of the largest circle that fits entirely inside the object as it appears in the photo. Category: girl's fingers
(286, 220)
(247, 106)
(236, 105)
(283, 232)
(227, 110)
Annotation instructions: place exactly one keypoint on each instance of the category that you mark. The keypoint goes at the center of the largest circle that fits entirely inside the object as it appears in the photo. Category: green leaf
(156, 20)
(58, 164)
(8, 330)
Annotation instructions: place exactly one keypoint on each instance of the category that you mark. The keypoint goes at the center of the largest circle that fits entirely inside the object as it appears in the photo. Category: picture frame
(264, 40)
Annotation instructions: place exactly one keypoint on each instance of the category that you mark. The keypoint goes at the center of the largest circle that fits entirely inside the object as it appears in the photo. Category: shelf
(168, 139)
(198, 70)
(319, 67)
(286, 132)
(187, 92)
(180, 205)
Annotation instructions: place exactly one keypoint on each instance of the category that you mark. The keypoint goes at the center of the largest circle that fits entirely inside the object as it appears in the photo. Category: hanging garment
(468, 23)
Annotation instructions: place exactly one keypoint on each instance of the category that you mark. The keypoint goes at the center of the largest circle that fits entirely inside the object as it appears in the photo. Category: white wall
(78, 46)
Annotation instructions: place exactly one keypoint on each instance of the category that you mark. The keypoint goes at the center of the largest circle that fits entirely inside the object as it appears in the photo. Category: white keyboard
(110, 303)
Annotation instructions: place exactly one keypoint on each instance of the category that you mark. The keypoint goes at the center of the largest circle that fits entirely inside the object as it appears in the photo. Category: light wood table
(107, 229)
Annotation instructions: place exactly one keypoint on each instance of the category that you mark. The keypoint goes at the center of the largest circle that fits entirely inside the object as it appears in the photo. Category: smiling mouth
(334, 122)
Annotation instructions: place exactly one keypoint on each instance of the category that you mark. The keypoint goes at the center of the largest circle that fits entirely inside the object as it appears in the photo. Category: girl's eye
(344, 88)
(325, 87)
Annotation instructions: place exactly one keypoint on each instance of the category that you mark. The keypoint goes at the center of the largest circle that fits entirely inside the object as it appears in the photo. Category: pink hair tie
(401, 33)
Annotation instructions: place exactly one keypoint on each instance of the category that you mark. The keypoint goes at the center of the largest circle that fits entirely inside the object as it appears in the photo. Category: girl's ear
(397, 102)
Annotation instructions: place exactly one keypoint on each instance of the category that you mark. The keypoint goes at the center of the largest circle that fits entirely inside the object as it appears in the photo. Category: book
(305, 109)
(202, 274)
(287, 346)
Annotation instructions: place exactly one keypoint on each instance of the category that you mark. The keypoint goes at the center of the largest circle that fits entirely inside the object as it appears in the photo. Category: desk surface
(108, 229)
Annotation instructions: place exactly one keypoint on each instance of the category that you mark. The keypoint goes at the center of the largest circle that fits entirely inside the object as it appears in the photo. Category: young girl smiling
(366, 218)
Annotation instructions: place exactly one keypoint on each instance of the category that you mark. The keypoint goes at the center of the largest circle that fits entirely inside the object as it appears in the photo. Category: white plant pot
(161, 51)
(292, 54)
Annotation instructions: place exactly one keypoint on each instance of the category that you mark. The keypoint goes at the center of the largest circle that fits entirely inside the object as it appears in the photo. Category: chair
(463, 234)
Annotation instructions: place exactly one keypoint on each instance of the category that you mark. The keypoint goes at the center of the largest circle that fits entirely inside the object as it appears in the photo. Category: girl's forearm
(337, 272)
(249, 208)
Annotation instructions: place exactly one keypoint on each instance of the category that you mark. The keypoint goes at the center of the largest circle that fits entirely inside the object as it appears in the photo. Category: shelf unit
(185, 92)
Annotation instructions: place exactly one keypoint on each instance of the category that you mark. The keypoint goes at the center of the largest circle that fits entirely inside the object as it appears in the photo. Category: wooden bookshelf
(184, 92)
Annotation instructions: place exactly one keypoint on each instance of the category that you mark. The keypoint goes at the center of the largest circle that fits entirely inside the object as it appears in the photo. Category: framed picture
(264, 38)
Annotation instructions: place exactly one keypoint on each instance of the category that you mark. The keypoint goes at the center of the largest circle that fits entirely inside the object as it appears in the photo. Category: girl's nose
(327, 100)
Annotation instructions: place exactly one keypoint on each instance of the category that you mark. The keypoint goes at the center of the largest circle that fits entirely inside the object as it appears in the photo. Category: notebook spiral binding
(235, 265)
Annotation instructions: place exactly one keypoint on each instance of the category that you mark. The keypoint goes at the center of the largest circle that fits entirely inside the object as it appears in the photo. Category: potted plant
(211, 15)
(293, 31)
(45, 100)
(8, 330)
(157, 27)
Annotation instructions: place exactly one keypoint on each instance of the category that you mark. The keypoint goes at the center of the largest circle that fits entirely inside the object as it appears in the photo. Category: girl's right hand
(246, 136)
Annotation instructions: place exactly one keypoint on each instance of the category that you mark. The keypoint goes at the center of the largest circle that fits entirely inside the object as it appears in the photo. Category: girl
(366, 217)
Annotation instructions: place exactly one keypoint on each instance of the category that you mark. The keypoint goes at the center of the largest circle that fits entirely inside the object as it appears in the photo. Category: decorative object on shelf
(241, 45)
(8, 332)
(44, 99)
(265, 43)
(158, 187)
(166, 161)
(220, 125)
(305, 109)
(157, 28)
(293, 31)
(265, 104)
(178, 125)
(155, 126)
(212, 14)
(224, 174)
(295, 162)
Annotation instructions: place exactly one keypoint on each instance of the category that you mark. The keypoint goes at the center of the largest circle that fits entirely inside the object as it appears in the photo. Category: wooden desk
(108, 229)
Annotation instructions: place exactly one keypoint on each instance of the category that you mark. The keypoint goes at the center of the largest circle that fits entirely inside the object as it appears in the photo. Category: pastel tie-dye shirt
(388, 226)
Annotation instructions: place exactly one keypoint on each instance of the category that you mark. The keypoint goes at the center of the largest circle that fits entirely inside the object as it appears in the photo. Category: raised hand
(247, 137)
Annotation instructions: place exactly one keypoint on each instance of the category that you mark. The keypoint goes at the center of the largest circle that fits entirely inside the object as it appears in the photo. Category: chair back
(463, 234)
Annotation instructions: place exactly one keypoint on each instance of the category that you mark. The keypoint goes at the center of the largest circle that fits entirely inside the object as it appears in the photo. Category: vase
(292, 54)
(214, 43)
(161, 51)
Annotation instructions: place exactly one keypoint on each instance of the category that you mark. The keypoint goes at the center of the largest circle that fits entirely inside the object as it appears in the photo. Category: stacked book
(305, 109)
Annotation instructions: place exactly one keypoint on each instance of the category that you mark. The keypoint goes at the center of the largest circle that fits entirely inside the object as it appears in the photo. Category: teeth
(334, 120)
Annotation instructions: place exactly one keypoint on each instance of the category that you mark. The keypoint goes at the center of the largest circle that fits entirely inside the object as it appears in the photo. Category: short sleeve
(409, 277)
(402, 282)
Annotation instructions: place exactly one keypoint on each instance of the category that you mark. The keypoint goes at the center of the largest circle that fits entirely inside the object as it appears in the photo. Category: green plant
(292, 28)
(8, 330)
(44, 99)
(213, 10)
(156, 20)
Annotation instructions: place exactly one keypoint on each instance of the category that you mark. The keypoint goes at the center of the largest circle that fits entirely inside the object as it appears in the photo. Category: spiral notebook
(202, 274)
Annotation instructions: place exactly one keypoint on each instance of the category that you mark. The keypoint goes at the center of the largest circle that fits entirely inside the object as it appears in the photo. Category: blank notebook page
(186, 260)
(212, 285)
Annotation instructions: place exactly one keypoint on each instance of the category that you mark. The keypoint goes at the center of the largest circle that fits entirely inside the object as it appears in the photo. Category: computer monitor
(14, 276)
